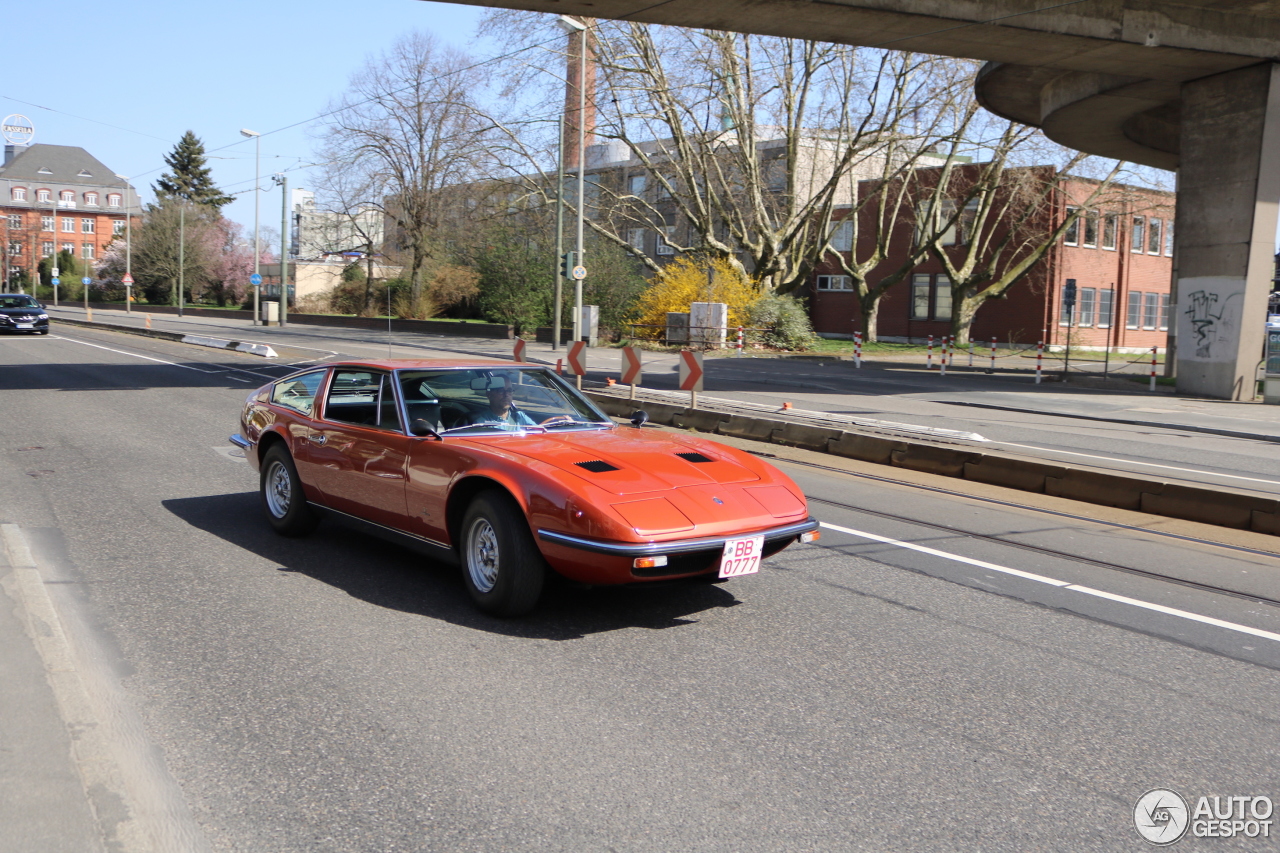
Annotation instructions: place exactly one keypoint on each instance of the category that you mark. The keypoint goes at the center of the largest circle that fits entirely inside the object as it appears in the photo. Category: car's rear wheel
(282, 496)
(503, 569)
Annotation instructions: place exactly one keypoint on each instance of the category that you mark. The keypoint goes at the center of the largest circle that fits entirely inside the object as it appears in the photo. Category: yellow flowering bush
(687, 280)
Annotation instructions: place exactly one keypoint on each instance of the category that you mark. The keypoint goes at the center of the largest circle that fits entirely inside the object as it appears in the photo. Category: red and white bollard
(857, 349)
(740, 337)
(560, 367)
(1153, 368)
(148, 321)
(1039, 359)
(993, 355)
(946, 351)
(928, 363)
(970, 352)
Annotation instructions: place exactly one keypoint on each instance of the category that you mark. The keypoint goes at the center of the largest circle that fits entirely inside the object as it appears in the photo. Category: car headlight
(42, 316)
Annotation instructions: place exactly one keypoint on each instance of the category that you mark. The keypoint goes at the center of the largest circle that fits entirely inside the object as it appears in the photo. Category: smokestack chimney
(573, 80)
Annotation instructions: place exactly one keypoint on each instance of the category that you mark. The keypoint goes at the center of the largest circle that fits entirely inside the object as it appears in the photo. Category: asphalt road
(942, 671)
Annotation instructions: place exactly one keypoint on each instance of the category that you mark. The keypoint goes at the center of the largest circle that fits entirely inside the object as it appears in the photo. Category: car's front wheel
(503, 569)
(282, 496)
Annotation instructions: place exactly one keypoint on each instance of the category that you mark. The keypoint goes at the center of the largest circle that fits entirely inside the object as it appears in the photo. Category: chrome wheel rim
(278, 489)
(482, 555)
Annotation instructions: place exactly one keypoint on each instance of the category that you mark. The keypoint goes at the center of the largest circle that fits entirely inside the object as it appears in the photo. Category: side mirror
(639, 418)
(422, 427)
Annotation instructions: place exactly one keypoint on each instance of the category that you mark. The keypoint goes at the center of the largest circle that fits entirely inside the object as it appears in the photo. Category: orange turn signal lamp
(648, 562)
(811, 536)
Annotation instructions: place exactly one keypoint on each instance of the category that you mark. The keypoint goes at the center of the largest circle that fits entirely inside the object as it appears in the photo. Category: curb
(1219, 507)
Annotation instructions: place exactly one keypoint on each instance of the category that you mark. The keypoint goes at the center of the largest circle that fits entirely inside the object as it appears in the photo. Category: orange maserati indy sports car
(508, 470)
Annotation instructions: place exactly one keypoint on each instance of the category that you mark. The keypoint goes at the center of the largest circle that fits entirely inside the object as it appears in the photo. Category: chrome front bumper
(678, 546)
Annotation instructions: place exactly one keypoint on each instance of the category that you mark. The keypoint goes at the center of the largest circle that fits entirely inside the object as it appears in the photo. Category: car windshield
(498, 399)
(18, 302)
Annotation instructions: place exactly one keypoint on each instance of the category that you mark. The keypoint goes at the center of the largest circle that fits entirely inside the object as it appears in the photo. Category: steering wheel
(557, 419)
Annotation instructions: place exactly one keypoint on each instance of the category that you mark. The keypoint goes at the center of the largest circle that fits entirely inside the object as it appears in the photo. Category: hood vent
(694, 457)
(597, 466)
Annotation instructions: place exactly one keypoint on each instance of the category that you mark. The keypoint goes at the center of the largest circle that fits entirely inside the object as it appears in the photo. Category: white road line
(1097, 593)
(134, 354)
(1136, 462)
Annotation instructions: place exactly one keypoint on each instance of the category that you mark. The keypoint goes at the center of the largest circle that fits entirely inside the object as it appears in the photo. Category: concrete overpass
(1191, 85)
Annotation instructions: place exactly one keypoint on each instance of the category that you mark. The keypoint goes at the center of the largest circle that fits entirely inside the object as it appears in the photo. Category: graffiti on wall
(1211, 322)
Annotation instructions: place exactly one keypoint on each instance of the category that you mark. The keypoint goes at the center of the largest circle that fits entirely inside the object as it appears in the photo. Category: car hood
(629, 461)
(21, 312)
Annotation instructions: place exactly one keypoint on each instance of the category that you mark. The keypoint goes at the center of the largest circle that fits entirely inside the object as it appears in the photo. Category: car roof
(430, 363)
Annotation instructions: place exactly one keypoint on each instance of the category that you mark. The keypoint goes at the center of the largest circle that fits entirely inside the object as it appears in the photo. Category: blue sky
(124, 81)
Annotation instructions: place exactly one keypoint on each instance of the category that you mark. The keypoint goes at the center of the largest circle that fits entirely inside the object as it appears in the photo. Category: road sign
(86, 280)
(56, 281)
(55, 272)
(577, 364)
(630, 366)
(690, 370)
(255, 279)
(579, 273)
(128, 279)
(519, 349)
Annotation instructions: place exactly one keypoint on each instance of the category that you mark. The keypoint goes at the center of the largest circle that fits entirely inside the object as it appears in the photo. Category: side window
(362, 397)
(298, 393)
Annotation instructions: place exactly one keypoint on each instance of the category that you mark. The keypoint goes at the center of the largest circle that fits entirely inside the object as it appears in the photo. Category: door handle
(318, 437)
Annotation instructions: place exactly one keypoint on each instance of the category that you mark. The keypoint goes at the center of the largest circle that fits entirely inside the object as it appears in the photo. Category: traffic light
(567, 262)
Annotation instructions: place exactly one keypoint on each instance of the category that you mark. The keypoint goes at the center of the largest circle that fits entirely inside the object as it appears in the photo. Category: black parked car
(22, 313)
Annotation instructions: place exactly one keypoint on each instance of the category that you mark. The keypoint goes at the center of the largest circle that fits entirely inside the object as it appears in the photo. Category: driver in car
(501, 410)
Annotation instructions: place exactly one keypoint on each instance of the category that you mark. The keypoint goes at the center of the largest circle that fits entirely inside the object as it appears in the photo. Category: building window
(86, 226)
(15, 220)
(46, 248)
(1105, 307)
(842, 236)
(665, 246)
(46, 223)
(43, 196)
(68, 225)
(942, 298)
(1153, 237)
(69, 247)
(87, 250)
(1085, 305)
(661, 186)
(1168, 238)
(15, 248)
(1151, 311)
(1109, 231)
(1164, 312)
(18, 194)
(113, 200)
(66, 195)
(1091, 229)
(117, 227)
(921, 285)
(91, 199)
(1134, 315)
(835, 282)
(1139, 229)
(1072, 235)
(635, 238)
(636, 184)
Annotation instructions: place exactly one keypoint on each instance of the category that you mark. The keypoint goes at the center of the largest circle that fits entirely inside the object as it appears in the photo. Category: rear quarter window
(299, 392)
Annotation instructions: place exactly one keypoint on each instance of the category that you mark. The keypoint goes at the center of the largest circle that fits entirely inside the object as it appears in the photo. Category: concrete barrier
(1023, 474)
(867, 448)
(808, 436)
(947, 461)
(1096, 487)
(701, 420)
(1227, 509)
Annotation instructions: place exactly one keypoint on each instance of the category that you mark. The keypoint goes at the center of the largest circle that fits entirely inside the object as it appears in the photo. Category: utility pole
(572, 26)
(283, 181)
(182, 253)
(559, 274)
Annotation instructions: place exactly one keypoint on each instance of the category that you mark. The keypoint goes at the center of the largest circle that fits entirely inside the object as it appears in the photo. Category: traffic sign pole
(691, 375)
(631, 369)
(576, 363)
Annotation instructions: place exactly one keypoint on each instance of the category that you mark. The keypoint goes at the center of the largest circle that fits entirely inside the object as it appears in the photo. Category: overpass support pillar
(1228, 191)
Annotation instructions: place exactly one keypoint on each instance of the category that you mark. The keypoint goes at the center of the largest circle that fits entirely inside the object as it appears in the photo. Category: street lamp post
(283, 180)
(128, 248)
(571, 26)
(257, 237)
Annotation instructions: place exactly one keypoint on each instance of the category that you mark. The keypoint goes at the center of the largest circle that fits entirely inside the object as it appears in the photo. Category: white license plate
(25, 325)
(741, 556)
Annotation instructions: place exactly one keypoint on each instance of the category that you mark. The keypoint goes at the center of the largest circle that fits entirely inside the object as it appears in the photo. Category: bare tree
(747, 143)
(990, 223)
(406, 129)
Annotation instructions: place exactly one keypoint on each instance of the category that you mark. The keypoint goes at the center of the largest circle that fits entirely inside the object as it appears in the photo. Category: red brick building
(55, 198)
(1119, 252)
